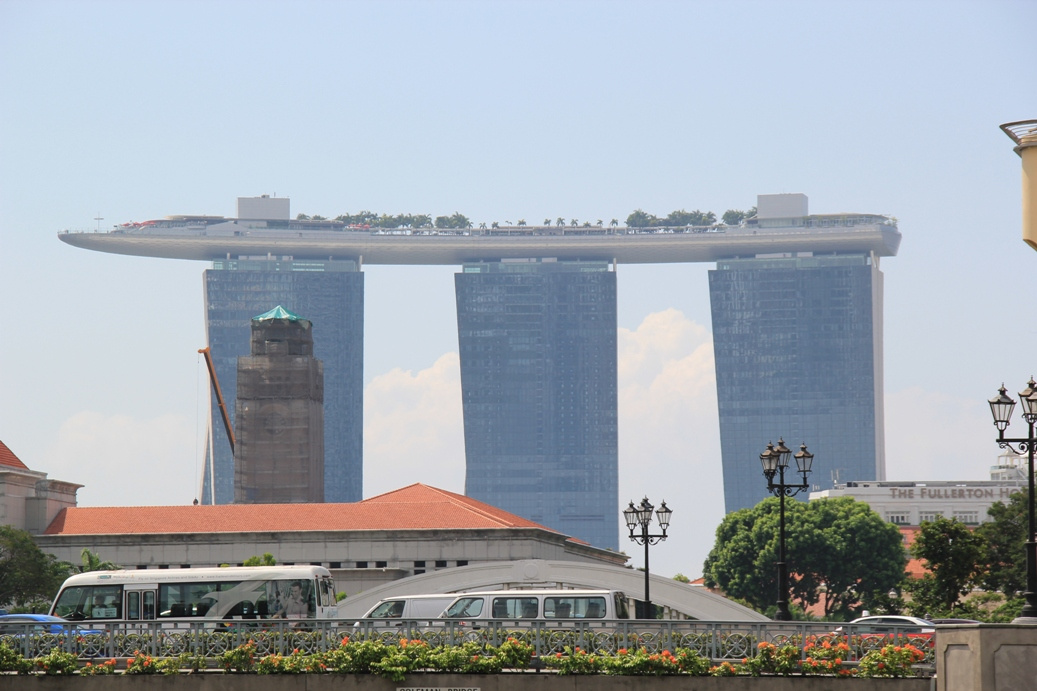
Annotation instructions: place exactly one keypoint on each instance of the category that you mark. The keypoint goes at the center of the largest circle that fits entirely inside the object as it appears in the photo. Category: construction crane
(219, 395)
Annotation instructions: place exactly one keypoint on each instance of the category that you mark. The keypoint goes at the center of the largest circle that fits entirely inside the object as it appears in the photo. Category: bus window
(148, 608)
(133, 604)
(89, 602)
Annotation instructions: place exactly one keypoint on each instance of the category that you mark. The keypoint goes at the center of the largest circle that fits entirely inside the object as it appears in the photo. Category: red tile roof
(416, 507)
(8, 458)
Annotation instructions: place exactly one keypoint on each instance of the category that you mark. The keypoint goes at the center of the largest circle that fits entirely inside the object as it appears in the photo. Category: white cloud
(124, 461)
(669, 440)
(413, 429)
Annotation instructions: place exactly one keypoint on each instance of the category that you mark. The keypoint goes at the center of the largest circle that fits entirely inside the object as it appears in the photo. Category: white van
(581, 605)
(405, 607)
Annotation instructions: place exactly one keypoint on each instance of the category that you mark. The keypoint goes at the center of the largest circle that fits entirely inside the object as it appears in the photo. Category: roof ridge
(9, 459)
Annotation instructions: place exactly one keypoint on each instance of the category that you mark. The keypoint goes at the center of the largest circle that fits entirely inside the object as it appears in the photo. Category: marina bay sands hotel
(797, 330)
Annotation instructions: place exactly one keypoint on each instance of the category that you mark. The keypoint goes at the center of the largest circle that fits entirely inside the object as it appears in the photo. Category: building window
(898, 518)
(929, 516)
(335, 565)
(361, 564)
(380, 564)
(462, 562)
(419, 564)
(967, 517)
(441, 564)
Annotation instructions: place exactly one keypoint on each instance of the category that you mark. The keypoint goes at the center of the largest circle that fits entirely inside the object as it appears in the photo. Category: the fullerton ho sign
(944, 493)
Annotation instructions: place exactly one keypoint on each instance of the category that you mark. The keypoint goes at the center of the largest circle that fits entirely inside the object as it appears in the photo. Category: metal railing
(716, 641)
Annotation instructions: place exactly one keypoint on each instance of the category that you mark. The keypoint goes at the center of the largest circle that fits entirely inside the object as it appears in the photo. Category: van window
(465, 607)
(391, 609)
(515, 608)
(574, 607)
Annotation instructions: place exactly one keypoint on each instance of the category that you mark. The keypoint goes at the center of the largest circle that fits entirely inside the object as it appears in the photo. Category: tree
(93, 562)
(26, 573)
(953, 555)
(681, 578)
(840, 543)
(1005, 536)
(845, 546)
(733, 217)
(640, 219)
(689, 218)
(266, 560)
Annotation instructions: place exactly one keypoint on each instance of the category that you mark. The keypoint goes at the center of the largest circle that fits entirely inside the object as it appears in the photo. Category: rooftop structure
(29, 500)
(207, 238)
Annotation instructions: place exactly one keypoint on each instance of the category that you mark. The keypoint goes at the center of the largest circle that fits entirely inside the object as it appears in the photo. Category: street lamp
(1001, 407)
(642, 516)
(775, 460)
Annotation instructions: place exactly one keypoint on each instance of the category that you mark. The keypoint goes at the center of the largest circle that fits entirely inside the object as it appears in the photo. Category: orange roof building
(409, 531)
(28, 498)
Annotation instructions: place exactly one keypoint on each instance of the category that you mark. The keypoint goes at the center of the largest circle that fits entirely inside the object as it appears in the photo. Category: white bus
(238, 592)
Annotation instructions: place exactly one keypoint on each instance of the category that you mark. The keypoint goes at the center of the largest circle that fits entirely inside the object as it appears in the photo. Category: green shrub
(575, 661)
(12, 661)
(101, 668)
(770, 659)
(240, 659)
(57, 662)
(141, 663)
(890, 661)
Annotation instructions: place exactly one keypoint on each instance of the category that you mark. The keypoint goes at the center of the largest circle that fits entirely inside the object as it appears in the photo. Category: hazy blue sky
(503, 110)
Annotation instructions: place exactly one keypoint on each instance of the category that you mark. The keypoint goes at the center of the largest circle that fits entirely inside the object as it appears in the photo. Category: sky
(125, 111)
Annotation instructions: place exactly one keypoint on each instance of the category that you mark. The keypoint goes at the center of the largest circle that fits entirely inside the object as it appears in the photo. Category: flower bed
(397, 659)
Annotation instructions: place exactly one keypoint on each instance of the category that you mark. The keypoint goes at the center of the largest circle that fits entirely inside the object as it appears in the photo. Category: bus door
(140, 601)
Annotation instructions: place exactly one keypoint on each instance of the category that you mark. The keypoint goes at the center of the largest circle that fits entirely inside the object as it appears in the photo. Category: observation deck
(213, 238)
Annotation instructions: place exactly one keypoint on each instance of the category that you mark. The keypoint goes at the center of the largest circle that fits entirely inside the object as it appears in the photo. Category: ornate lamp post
(775, 460)
(1001, 407)
(642, 516)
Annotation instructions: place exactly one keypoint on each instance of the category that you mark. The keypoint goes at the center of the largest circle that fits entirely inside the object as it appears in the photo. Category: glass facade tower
(330, 294)
(798, 349)
(537, 343)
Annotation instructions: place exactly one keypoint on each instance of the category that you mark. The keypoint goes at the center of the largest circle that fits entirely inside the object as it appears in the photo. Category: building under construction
(279, 413)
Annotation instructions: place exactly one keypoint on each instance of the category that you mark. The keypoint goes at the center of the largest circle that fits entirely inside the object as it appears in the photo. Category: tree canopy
(27, 574)
(266, 560)
(952, 554)
(1005, 538)
(840, 544)
(93, 562)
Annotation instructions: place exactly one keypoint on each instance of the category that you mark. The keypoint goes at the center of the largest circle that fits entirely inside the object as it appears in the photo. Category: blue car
(37, 623)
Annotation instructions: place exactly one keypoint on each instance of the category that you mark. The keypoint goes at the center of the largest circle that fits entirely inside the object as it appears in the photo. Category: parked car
(955, 621)
(889, 624)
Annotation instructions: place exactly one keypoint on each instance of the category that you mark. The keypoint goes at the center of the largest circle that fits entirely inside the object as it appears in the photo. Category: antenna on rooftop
(98, 218)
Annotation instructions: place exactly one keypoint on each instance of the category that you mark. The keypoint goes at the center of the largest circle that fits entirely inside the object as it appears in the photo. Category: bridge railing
(717, 641)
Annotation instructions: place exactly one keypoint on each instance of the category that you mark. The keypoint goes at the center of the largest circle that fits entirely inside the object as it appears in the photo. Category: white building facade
(907, 503)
